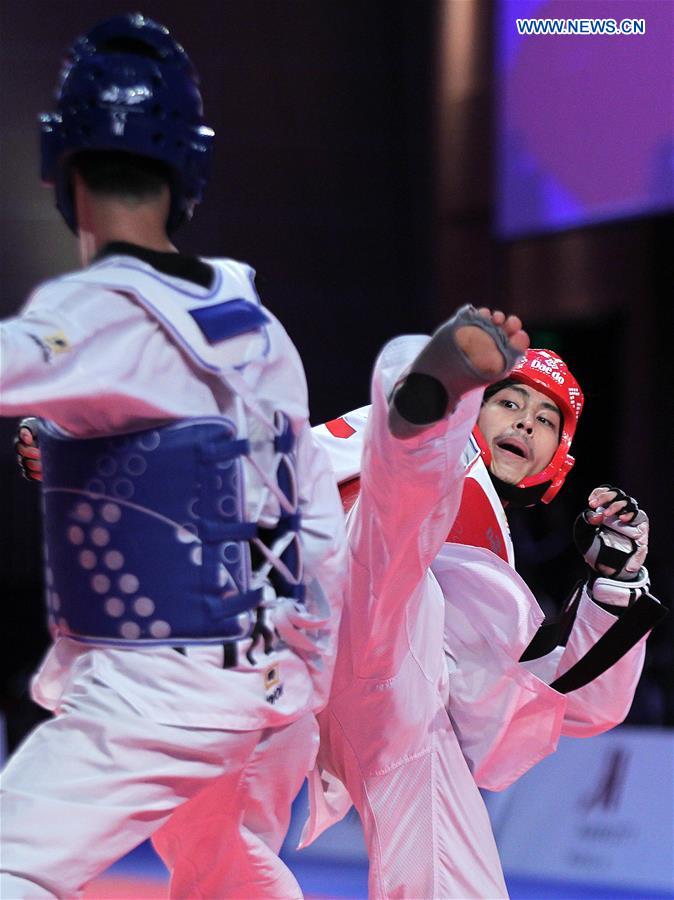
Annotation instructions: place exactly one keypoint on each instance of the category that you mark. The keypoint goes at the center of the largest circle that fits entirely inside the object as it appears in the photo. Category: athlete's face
(521, 427)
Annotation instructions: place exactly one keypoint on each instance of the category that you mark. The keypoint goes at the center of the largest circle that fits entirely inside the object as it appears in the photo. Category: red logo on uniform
(340, 428)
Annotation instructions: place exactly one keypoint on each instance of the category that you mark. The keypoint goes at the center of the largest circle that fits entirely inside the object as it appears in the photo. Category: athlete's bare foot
(461, 356)
(480, 348)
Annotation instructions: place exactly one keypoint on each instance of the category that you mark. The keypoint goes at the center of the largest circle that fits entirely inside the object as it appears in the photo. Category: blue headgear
(128, 86)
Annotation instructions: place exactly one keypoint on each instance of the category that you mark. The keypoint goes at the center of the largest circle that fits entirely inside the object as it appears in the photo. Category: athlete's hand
(27, 451)
(612, 534)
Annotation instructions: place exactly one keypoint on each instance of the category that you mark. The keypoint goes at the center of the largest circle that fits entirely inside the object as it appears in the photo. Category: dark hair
(125, 176)
(497, 386)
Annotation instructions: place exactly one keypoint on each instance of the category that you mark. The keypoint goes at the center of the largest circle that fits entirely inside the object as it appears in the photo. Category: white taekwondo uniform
(140, 730)
(429, 700)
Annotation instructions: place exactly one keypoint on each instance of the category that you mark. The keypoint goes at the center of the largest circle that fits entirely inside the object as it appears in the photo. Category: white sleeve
(606, 700)
(40, 361)
(410, 493)
(91, 362)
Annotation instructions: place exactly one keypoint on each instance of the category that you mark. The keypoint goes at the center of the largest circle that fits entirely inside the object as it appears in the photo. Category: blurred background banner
(583, 123)
(598, 811)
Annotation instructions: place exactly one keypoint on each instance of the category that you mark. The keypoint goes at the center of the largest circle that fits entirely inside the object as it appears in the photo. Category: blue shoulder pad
(228, 319)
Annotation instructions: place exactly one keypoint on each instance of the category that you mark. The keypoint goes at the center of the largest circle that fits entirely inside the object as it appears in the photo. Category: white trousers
(427, 830)
(96, 780)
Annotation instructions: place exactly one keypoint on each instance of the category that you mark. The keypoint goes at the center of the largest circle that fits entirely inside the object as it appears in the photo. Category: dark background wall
(353, 170)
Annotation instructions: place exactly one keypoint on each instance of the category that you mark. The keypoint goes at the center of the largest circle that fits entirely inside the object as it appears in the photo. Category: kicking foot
(479, 347)
(473, 349)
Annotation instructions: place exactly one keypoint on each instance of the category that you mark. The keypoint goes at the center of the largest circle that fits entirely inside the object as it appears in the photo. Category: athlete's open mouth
(513, 447)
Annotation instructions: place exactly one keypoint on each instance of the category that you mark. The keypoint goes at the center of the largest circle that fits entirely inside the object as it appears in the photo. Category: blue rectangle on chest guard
(228, 319)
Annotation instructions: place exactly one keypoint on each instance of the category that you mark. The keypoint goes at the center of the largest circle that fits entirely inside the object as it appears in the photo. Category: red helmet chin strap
(541, 487)
(565, 466)
(483, 445)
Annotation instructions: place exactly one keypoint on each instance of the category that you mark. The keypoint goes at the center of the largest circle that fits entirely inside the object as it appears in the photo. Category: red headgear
(544, 371)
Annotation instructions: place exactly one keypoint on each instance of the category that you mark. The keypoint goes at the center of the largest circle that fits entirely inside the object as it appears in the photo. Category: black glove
(614, 550)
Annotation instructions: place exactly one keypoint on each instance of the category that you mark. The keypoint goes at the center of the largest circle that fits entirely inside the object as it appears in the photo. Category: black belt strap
(555, 634)
(625, 632)
(230, 649)
(230, 655)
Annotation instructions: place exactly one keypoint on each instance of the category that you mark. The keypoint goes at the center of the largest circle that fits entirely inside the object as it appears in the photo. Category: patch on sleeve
(52, 344)
(58, 342)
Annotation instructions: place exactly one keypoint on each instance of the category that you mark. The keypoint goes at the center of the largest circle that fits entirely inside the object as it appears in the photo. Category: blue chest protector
(146, 540)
